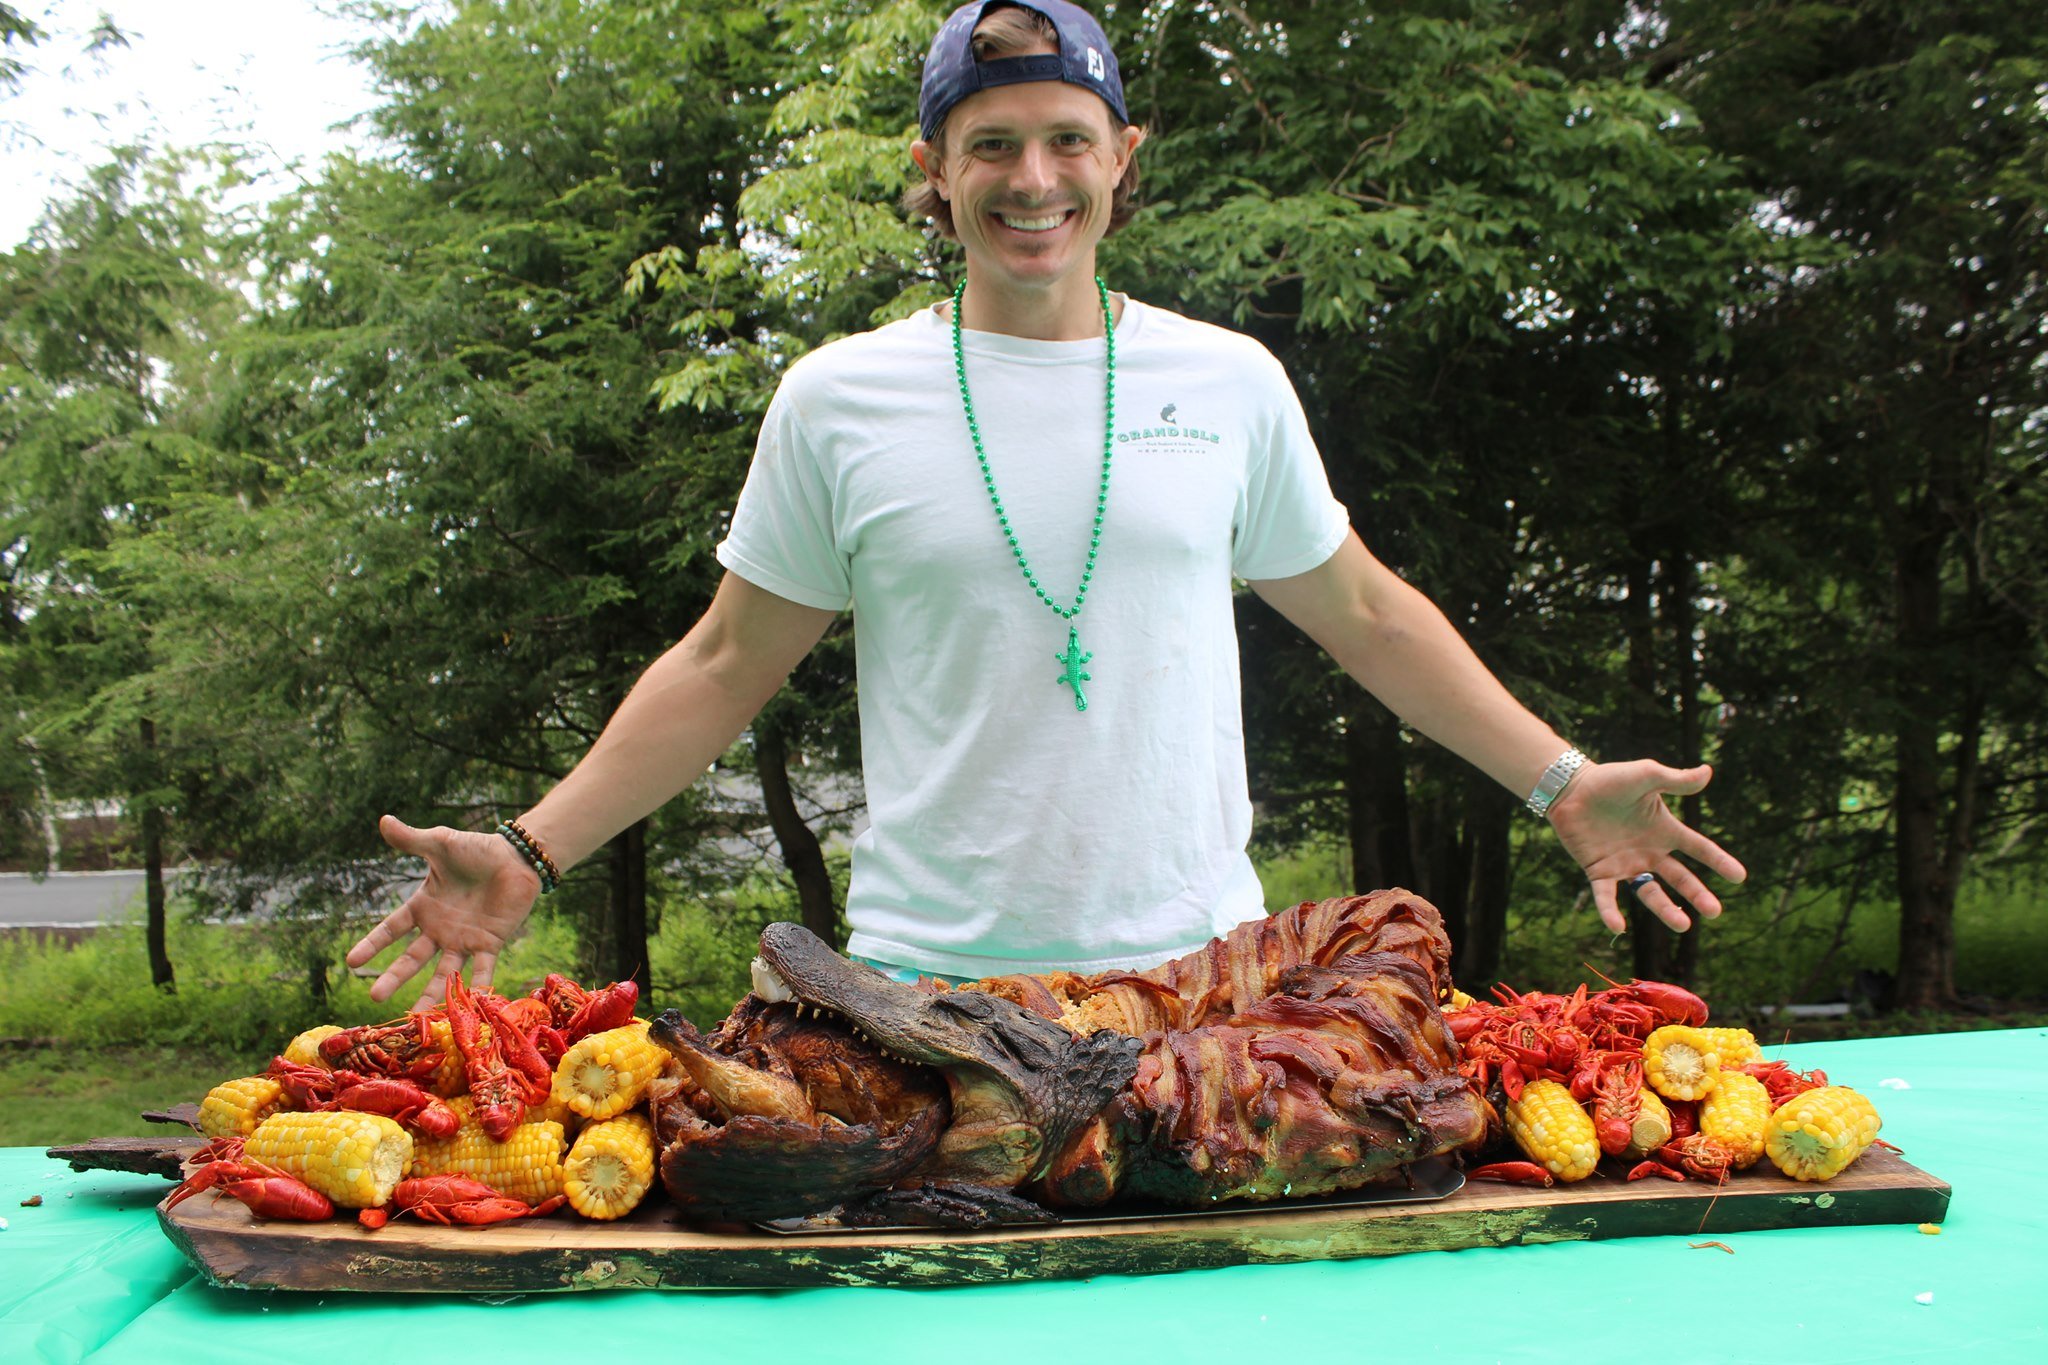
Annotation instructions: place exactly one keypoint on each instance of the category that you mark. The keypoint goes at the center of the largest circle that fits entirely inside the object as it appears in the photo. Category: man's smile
(1034, 223)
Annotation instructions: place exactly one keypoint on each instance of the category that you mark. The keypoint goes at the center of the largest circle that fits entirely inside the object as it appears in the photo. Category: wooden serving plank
(136, 1155)
(653, 1250)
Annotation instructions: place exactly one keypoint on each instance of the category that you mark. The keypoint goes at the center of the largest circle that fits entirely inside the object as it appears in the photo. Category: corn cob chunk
(1815, 1135)
(451, 1080)
(1680, 1062)
(354, 1159)
(526, 1166)
(611, 1167)
(305, 1049)
(1651, 1130)
(1735, 1046)
(606, 1074)
(1736, 1113)
(1554, 1130)
(234, 1108)
(555, 1109)
(1456, 1001)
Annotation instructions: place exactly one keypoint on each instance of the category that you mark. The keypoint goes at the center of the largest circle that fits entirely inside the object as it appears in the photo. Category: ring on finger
(1641, 880)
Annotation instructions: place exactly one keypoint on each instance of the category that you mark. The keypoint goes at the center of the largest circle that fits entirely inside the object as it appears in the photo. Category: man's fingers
(1689, 887)
(404, 968)
(1658, 902)
(392, 928)
(1603, 901)
(482, 967)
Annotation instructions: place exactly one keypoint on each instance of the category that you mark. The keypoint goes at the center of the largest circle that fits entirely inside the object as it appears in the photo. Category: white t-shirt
(1008, 831)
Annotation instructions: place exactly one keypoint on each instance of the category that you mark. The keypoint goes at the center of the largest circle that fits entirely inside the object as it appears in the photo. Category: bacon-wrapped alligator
(1300, 1054)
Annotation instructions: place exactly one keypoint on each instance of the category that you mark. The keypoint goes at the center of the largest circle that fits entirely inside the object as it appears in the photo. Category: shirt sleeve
(783, 534)
(1288, 521)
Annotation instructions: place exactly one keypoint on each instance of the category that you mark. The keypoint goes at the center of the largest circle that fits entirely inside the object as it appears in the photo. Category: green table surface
(88, 1275)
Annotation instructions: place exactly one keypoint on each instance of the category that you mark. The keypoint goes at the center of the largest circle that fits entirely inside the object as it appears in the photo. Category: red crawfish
(311, 1088)
(455, 1201)
(268, 1192)
(506, 1073)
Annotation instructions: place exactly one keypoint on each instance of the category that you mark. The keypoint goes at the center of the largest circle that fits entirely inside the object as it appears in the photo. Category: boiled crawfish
(313, 1088)
(455, 1201)
(506, 1072)
(268, 1191)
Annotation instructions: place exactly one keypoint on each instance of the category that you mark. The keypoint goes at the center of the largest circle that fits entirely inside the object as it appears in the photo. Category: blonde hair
(1011, 31)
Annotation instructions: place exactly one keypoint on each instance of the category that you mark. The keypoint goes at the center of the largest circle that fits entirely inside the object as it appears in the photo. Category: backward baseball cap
(951, 74)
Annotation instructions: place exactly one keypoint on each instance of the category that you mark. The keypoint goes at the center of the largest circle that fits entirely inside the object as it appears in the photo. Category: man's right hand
(477, 893)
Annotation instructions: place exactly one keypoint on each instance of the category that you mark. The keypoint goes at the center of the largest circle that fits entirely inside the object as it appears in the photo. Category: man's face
(1029, 171)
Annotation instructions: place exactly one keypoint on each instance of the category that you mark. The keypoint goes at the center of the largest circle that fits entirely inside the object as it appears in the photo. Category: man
(1035, 498)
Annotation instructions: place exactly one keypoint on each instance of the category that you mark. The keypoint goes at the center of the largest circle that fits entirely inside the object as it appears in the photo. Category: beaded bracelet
(530, 849)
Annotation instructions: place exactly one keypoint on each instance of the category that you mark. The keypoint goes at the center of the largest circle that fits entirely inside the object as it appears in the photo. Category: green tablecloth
(87, 1274)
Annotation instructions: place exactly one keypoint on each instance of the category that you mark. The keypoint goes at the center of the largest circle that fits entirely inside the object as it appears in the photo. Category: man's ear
(931, 163)
(1131, 139)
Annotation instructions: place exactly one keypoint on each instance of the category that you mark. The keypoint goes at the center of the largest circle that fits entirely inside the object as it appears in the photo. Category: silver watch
(1555, 779)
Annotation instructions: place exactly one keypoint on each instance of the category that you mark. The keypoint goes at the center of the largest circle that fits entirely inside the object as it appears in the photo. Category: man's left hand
(1614, 821)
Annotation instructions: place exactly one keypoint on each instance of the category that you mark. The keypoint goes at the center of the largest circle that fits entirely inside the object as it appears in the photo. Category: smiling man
(1035, 499)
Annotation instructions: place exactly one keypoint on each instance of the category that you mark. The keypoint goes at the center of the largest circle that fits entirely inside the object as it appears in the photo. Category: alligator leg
(945, 1206)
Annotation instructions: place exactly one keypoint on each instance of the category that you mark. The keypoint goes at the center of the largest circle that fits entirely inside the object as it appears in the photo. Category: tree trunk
(1446, 863)
(628, 904)
(1489, 816)
(160, 974)
(1927, 894)
(801, 852)
(1678, 604)
(1649, 940)
(1376, 799)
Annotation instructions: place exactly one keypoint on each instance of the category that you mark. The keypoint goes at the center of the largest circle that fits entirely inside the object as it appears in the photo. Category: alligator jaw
(1021, 1084)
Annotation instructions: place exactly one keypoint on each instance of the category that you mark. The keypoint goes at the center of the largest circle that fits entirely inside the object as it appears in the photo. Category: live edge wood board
(652, 1250)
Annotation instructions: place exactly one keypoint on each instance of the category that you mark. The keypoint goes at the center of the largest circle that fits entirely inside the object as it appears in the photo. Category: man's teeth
(1046, 224)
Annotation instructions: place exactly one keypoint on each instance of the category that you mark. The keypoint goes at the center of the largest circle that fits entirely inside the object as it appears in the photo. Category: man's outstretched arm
(1612, 818)
(686, 710)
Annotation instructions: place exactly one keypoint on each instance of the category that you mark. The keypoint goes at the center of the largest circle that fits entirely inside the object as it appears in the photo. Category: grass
(51, 1095)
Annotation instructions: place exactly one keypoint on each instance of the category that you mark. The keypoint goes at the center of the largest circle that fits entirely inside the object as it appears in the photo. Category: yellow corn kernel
(1651, 1130)
(1554, 1130)
(1735, 1114)
(354, 1159)
(1456, 1001)
(555, 1109)
(234, 1108)
(607, 1073)
(611, 1167)
(1735, 1046)
(305, 1049)
(451, 1080)
(527, 1165)
(1815, 1135)
(1681, 1062)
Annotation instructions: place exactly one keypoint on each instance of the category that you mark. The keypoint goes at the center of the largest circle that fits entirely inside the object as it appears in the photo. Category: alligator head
(832, 1082)
(1020, 1085)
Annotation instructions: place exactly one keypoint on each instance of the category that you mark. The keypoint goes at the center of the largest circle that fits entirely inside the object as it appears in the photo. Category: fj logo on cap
(1096, 70)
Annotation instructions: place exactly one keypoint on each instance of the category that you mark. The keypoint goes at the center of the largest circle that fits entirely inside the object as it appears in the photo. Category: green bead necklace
(1071, 658)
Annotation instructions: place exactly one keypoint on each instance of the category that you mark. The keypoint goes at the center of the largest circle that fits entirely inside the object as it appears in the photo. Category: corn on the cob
(451, 1080)
(555, 1109)
(1735, 1046)
(354, 1159)
(305, 1049)
(1736, 1113)
(1680, 1062)
(526, 1165)
(1651, 1130)
(1816, 1134)
(1554, 1130)
(611, 1167)
(234, 1108)
(607, 1073)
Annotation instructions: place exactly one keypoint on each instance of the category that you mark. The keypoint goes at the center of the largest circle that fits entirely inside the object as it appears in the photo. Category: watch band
(1555, 779)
